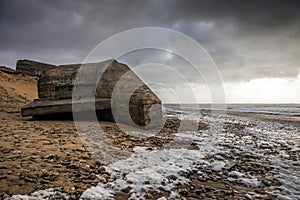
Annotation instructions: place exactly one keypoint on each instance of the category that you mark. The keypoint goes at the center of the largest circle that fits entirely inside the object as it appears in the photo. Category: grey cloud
(247, 39)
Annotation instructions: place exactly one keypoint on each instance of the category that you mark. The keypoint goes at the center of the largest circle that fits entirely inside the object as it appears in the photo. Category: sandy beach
(37, 155)
(252, 156)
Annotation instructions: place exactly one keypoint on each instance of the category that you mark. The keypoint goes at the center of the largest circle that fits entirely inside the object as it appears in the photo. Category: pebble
(102, 180)
(2, 176)
(2, 167)
(248, 196)
(6, 150)
(53, 177)
(30, 179)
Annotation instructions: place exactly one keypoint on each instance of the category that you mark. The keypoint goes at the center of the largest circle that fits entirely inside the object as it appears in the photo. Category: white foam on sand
(148, 170)
(98, 192)
(251, 182)
(236, 174)
(52, 193)
(165, 168)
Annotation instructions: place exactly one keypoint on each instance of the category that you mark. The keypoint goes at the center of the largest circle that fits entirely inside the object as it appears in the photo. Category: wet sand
(37, 155)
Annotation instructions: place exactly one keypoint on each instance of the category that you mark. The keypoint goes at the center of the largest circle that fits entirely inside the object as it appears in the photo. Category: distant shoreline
(270, 109)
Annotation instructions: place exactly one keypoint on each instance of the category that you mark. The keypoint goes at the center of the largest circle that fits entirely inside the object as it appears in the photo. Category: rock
(6, 150)
(24, 164)
(3, 176)
(44, 181)
(172, 177)
(248, 196)
(66, 162)
(102, 180)
(88, 181)
(74, 166)
(44, 174)
(52, 157)
(28, 179)
(2, 167)
(5, 196)
(183, 192)
(229, 165)
(53, 177)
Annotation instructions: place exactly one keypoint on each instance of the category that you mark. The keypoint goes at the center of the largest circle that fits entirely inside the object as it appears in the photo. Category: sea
(275, 109)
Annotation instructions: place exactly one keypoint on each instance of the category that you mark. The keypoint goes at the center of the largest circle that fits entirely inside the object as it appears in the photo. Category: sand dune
(16, 89)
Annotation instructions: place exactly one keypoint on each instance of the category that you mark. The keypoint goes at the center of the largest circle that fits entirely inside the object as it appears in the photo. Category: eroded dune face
(16, 89)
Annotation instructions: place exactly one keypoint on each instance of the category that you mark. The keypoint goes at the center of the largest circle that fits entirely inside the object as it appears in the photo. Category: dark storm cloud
(247, 39)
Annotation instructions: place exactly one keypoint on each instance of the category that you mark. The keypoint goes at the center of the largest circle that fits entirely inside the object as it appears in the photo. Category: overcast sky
(255, 44)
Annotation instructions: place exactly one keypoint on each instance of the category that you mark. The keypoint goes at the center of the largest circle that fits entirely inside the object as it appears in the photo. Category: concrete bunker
(56, 84)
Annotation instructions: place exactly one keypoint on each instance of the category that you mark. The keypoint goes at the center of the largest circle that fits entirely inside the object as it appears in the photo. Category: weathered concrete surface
(33, 68)
(56, 86)
(44, 107)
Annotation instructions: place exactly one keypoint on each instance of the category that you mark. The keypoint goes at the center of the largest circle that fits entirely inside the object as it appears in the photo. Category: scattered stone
(6, 150)
(3, 167)
(28, 179)
(2, 176)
